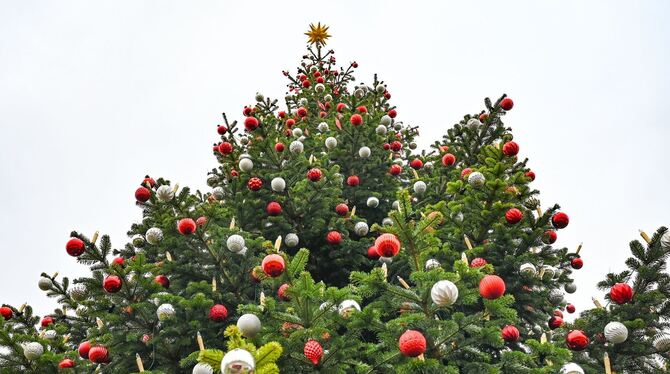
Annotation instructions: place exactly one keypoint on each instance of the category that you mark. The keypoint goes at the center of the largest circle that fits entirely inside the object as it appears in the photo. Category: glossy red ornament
(353, 180)
(251, 123)
(342, 209)
(621, 293)
(273, 265)
(530, 174)
(281, 114)
(281, 292)
(290, 122)
(396, 146)
(46, 321)
(313, 351)
(362, 109)
(387, 245)
(510, 334)
(448, 159)
(225, 148)
(549, 237)
(75, 247)
(558, 313)
(142, 194)
(392, 113)
(577, 263)
(66, 363)
(412, 343)
(334, 237)
(340, 107)
(507, 103)
(218, 313)
(560, 220)
(491, 287)
(163, 280)
(221, 129)
(98, 354)
(118, 261)
(186, 226)
(201, 221)
(483, 117)
(395, 169)
(148, 182)
(513, 216)
(478, 262)
(576, 340)
(555, 322)
(83, 349)
(510, 149)
(314, 174)
(306, 83)
(254, 184)
(465, 172)
(6, 313)
(273, 208)
(279, 147)
(246, 111)
(356, 119)
(416, 164)
(570, 308)
(373, 253)
(302, 112)
(112, 284)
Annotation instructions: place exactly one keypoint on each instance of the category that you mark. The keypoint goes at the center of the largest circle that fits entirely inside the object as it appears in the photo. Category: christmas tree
(327, 244)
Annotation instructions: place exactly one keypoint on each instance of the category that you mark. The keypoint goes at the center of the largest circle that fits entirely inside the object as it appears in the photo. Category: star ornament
(317, 34)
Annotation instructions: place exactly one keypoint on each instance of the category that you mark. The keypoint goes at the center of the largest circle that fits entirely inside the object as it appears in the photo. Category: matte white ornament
(278, 184)
(328, 98)
(138, 241)
(217, 192)
(420, 187)
(395, 205)
(665, 240)
(387, 222)
(361, 228)
(319, 87)
(297, 132)
(444, 293)
(291, 240)
(328, 305)
(165, 312)
(202, 368)
(249, 325)
(50, 334)
(302, 102)
(432, 263)
(32, 350)
(164, 193)
(386, 260)
(571, 368)
(381, 130)
(359, 93)
(364, 152)
(44, 283)
(397, 126)
(296, 147)
(235, 243)
(556, 296)
(527, 270)
(246, 165)
(458, 217)
(662, 342)
(549, 271)
(244, 140)
(331, 142)
(373, 202)
(473, 123)
(347, 307)
(238, 361)
(428, 165)
(323, 127)
(476, 179)
(412, 145)
(154, 235)
(616, 332)
(570, 288)
(386, 120)
(259, 97)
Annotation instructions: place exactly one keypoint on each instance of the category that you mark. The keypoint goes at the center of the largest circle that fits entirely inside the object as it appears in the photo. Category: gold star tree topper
(317, 34)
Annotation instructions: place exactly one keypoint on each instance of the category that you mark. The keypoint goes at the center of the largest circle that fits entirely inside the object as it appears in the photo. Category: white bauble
(380, 88)
(381, 130)
(278, 184)
(428, 165)
(249, 325)
(291, 240)
(571, 368)
(347, 307)
(331, 142)
(444, 293)
(244, 140)
(319, 87)
(665, 240)
(549, 271)
(235, 243)
(385, 120)
(616, 332)
(297, 132)
(361, 228)
(44, 283)
(387, 222)
(259, 97)
(164, 193)
(413, 145)
(302, 101)
(328, 305)
(432, 263)
(50, 334)
(386, 260)
(458, 217)
(246, 165)
(238, 361)
(202, 368)
(373, 202)
(420, 187)
(154, 235)
(32, 350)
(78, 292)
(243, 252)
(473, 123)
(364, 152)
(165, 312)
(359, 93)
(138, 241)
(662, 342)
(570, 288)
(397, 126)
(217, 192)
(476, 179)
(323, 127)
(527, 270)
(556, 296)
(328, 97)
(395, 205)
(296, 147)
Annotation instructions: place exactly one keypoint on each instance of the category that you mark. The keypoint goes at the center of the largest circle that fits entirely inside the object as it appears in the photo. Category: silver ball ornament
(432, 263)
(238, 361)
(570, 288)
(616, 332)
(473, 123)
(218, 193)
(476, 179)
(420, 187)
(381, 130)
(154, 235)
(364, 152)
(331, 142)
(361, 228)
(202, 368)
(571, 368)
(385, 120)
(347, 307)
(235, 243)
(32, 350)
(444, 293)
(296, 147)
(662, 342)
(373, 202)
(323, 127)
(249, 325)
(138, 241)
(527, 270)
(291, 240)
(387, 222)
(44, 284)
(246, 165)
(165, 312)
(278, 184)
(164, 193)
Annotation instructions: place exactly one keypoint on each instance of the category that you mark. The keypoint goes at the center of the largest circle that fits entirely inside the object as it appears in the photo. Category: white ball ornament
(662, 342)
(616, 332)
(32, 350)
(373, 202)
(138, 241)
(527, 270)
(202, 368)
(78, 292)
(235, 243)
(238, 361)
(164, 193)
(249, 325)
(259, 97)
(420, 187)
(359, 93)
(154, 235)
(571, 368)
(432, 263)
(387, 222)
(246, 165)
(296, 147)
(473, 123)
(165, 312)
(347, 307)
(397, 126)
(428, 165)
(556, 296)
(278, 184)
(476, 179)
(328, 97)
(302, 102)
(328, 305)
(331, 142)
(297, 132)
(381, 130)
(395, 205)
(291, 240)
(385, 120)
(44, 283)
(50, 334)
(570, 288)
(323, 127)
(549, 271)
(361, 228)
(364, 152)
(319, 87)
(218, 193)
(444, 293)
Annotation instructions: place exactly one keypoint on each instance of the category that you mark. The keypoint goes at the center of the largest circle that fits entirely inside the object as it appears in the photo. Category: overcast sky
(96, 94)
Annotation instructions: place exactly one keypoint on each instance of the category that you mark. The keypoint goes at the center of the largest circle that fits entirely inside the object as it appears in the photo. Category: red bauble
(386, 146)
(112, 284)
(353, 181)
(483, 117)
(281, 114)
(314, 174)
(356, 119)
(465, 172)
(142, 194)
(118, 261)
(246, 111)
(148, 182)
(306, 83)
(510, 334)
(530, 174)
(560, 220)
(373, 253)
(218, 313)
(281, 292)
(396, 146)
(555, 322)
(549, 237)
(254, 184)
(98, 354)
(510, 149)
(234, 173)
(387, 245)
(416, 164)
(395, 169)
(342, 209)
(302, 112)
(513, 216)
(273, 265)
(273, 208)
(491, 287)
(83, 349)
(478, 262)
(251, 123)
(334, 237)
(75, 247)
(570, 308)
(221, 129)
(279, 147)
(576, 340)
(66, 363)
(392, 113)
(186, 226)
(47, 321)
(507, 103)
(290, 122)
(621, 293)
(340, 107)
(412, 343)
(201, 221)
(162, 280)
(6, 313)
(558, 313)
(362, 109)
(448, 159)
(313, 351)
(225, 148)
(577, 263)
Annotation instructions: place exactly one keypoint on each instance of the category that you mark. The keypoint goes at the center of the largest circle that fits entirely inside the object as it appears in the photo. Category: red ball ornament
(98, 354)
(340, 107)
(353, 180)
(66, 363)
(386, 146)
(373, 253)
(392, 113)
(118, 261)
(112, 284)
(507, 103)
(577, 263)
(186, 226)
(549, 237)
(281, 292)
(281, 114)
(201, 221)
(273, 208)
(510, 149)
(246, 111)
(279, 147)
(290, 122)
(483, 117)
(273, 265)
(221, 129)
(558, 313)
(47, 321)
(334, 237)
(621, 293)
(234, 173)
(412, 343)
(478, 262)
(218, 313)
(314, 174)
(6, 313)
(576, 340)
(342, 209)
(560, 220)
(75, 247)
(570, 308)
(465, 172)
(362, 109)
(302, 112)
(449, 159)
(254, 184)
(306, 83)
(142, 194)
(83, 349)
(416, 164)
(251, 123)
(531, 175)
(148, 182)
(387, 245)
(555, 322)
(510, 334)
(356, 119)
(396, 146)
(225, 148)
(491, 287)
(395, 169)
(162, 280)
(313, 351)
(513, 216)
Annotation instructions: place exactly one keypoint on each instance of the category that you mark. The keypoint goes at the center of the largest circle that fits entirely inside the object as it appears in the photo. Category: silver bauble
(249, 325)
(359, 93)
(50, 334)
(381, 130)
(302, 101)
(238, 361)
(278, 184)
(397, 126)
(165, 312)
(395, 205)
(444, 293)
(164, 193)
(570, 288)
(476, 179)
(412, 145)
(473, 123)
(138, 241)
(373, 202)
(387, 222)
(328, 97)
(319, 87)
(259, 97)
(380, 88)
(347, 307)
(235, 243)
(32, 350)
(246, 165)
(616, 332)
(571, 368)
(323, 127)
(44, 283)
(549, 271)
(154, 235)
(527, 270)
(662, 342)
(297, 132)
(458, 217)
(291, 240)
(386, 260)
(420, 187)
(428, 165)
(364, 152)
(202, 368)
(296, 147)
(78, 292)
(432, 263)
(385, 120)
(218, 193)
(361, 228)
(331, 142)
(555, 296)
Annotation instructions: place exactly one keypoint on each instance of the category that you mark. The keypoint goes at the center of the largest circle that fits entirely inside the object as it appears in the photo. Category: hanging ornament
(570, 308)
(164, 193)
(273, 208)
(202, 368)
(251, 123)
(662, 342)
(47, 321)
(83, 349)
(235, 243)
(364, 152)
(528, 270)
(218, 313)
(291, 240)
(570, 287)
(6, 313)
(186, 226)
(75, 247)
(476, 179)
(373, 202)
(254, 184)
(387, 245)
(313, 351)
(273, 265)
(342, 209)
(549, 271)
(334, 237)
(347, 307)
(162, 280)
(66, 363)
(296, 147)
(616, 332)
(510, 149)
(555, 322)
(395, 169)
(513, 216)
(50, 334)
(112, 284)
(249, 325)
(478, 262)
(448, 159)
(420, 187)
(576, 340)
(138, 241)
(238, 361)
(44, 284)
(281, 292)
(510, 334)
(412, 343)
(621, 293)
(381, 130)
(278, 184)
(353, 181)
(372, 252)
(246, 165)
(571, 368)
(385, 120)
(491, 287)
(98, 354)
(32, 350)
(165, 312)
(361, 228)
(665, 240)
(331, 142)
(507, 103)
(560, 220)
(577, 263)
(142, 194)
(154, 235)
(473, 123)
(432, 263)
(444, 293)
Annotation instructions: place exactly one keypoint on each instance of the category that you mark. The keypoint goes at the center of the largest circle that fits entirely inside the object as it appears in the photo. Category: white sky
(94, 95)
